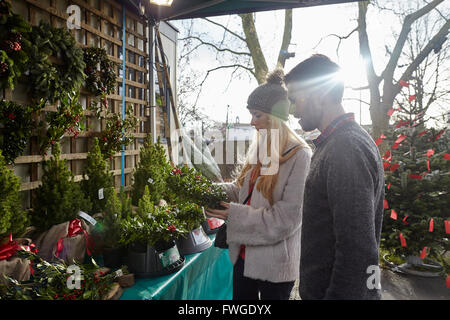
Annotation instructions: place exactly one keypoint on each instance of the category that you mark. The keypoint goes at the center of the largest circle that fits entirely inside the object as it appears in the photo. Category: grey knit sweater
(342, 217)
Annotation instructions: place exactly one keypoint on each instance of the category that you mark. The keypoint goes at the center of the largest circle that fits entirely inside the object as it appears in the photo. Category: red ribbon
(400, 138)
(447, 226)
(390, 112)
(446, 156)
(415, 176)
(428, 165)
(402, 240)
(422, 133)
(439, 134)
(75, 228)
(430, 229)
(386, 205)
(386, 165)
(393, 214)
(430, 152)
(401, 123)
(404, 220)
(448, 282)
(7, 250)
(389, 186)
(403, 83)
(412, 97)
(423, 254)
(394, 167)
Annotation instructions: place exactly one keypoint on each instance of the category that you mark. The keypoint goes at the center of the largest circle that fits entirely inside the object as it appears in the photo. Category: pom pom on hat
(271, 96)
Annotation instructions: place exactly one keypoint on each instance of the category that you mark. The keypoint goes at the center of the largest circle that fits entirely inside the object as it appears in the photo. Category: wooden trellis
(101, 26)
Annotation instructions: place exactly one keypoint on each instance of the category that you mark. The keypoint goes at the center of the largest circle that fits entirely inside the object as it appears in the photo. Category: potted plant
(112, 250)
(188, 185)
(151, 234)
(191, 216)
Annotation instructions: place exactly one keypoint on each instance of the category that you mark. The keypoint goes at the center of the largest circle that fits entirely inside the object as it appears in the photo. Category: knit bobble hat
(271, 96)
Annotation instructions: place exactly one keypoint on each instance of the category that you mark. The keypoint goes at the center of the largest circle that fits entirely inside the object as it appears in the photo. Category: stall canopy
(186, 9)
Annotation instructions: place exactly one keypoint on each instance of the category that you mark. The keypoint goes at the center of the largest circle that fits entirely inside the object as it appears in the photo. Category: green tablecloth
(207, 275)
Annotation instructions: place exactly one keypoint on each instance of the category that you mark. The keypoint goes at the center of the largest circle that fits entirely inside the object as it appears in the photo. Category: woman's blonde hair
(286, 136)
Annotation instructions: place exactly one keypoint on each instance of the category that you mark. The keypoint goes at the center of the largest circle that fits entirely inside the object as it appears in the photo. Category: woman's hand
(217, 213)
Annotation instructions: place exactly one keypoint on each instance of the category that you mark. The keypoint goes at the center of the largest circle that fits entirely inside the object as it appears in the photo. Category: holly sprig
(68, 118)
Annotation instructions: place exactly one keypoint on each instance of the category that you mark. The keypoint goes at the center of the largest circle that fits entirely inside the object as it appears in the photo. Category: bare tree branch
(204, 43)
(226, 29)
(287, 35)
(388, 72)
(337, 36)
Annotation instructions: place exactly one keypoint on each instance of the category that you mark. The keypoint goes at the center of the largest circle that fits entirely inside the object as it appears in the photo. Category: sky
(310, 25)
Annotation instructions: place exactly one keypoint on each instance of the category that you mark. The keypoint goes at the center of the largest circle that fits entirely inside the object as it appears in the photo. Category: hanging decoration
(100, 75)
(56, 63)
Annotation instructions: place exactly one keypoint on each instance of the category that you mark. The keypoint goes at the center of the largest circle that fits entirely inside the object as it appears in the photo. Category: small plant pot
(212, 225)
(112, 257)
(150, 263)
(195, 241)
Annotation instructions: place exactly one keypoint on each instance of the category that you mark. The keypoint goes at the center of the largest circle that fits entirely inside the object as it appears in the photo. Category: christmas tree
(112, 217)
(13, 219)
(59, 198)
(152, 171)
(125, 200)
(417, 197)
(96, 177)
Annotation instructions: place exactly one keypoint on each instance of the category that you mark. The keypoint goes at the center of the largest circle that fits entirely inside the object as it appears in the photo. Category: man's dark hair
(318, 73)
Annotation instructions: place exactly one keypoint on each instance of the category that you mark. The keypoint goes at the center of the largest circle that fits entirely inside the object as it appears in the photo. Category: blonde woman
(264, 215)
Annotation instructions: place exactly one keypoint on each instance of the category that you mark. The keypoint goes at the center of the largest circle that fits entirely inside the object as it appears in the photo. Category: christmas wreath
(16, 124)
(12, 57)
(100, 74)
(56, 63)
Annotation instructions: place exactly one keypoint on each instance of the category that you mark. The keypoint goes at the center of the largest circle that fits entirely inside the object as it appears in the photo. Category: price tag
(87, 217)
(150, 180)
(169, 257)
(199, 236)
(100, 194)
(119, 273)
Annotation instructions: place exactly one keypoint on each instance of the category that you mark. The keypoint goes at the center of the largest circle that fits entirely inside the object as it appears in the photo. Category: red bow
(7, 250)
(75, 228)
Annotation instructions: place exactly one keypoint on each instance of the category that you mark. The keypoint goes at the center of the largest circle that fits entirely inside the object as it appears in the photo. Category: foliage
(186, 184)
(125, 200)
(417, 187)
(112, 218)
(96, 176)
(13, 58)
(152, 224)
(189, 214)
(100, 74)
(118, 132)
(16, 123)
(50, 280)
(59, 198)
(68, 118)
(56, 63)
(13, 219)
(152, 171)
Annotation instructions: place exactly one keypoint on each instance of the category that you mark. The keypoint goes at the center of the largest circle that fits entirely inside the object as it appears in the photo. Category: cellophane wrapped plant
(152, 225)
(50, 281)
(188, 185)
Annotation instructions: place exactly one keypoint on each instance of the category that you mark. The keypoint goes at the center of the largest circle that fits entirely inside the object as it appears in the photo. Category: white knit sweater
(271, 234)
